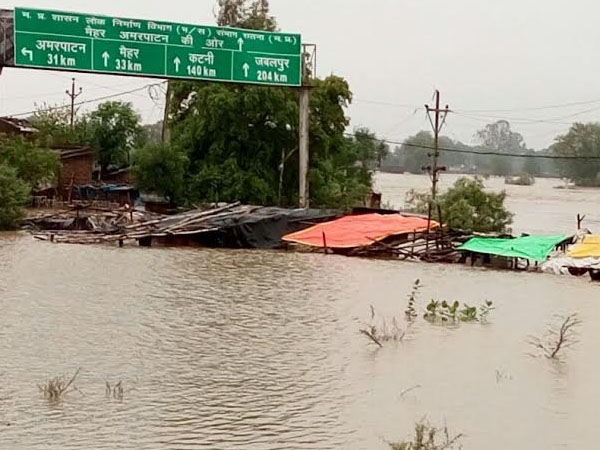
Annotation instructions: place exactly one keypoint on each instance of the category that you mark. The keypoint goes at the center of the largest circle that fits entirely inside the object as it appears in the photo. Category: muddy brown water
(261, 351)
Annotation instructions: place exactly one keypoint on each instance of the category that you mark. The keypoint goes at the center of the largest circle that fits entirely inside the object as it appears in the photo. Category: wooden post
(324, 242)
(580, 219)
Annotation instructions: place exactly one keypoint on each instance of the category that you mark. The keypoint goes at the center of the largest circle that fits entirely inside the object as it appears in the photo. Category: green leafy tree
(242, 141)
(244, 14)
(582, 140)
(14, 194)
(466, 206)
(415, 152)
(369, 150)
(36, 166)
(160, 169)
(113, 130)
(152, 133)
(500, 138)
(54, 126)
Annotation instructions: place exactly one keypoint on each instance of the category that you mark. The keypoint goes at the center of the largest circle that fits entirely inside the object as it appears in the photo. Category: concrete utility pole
(163, 131)
(73, 95)
(437, 125)
(304, 137)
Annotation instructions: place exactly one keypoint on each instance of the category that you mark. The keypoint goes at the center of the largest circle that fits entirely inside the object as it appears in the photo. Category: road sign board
(91, 43)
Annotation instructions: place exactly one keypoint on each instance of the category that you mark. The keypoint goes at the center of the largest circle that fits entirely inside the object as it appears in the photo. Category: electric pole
(73, 95)
(165, 122)
(437, 124)
(304, 134)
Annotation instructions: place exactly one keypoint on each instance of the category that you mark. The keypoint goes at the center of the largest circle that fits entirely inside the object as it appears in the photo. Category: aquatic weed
(427, 437)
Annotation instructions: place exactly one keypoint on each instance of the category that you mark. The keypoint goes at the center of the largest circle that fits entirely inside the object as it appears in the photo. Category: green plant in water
(450, 313)
(485, 310)
(468, 314)
(411, 310)
(428, 437)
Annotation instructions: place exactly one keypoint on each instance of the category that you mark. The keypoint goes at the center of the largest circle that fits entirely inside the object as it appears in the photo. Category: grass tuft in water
(428, 437)
(115, 391)
(56, 388)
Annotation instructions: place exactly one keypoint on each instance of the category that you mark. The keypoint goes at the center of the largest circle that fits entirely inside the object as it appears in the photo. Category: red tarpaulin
(358, 231)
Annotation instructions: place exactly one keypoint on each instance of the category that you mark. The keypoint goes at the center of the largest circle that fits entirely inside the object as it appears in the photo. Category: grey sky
(485, 57)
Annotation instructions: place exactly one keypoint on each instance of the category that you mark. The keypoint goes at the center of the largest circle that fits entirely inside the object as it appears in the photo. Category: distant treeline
(413, 155)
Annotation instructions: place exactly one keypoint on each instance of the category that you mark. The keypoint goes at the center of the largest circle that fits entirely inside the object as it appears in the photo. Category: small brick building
(77, 164)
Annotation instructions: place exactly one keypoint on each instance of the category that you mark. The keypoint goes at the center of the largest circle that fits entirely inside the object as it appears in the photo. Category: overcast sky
(490, 60)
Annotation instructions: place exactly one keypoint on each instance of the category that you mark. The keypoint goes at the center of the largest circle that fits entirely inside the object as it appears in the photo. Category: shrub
(466, 206)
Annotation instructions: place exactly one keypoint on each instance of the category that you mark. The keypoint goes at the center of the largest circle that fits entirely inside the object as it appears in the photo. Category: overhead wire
(476, 152)
(84, 102)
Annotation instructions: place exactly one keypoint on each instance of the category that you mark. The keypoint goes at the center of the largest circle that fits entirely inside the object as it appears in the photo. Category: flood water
(261, 350)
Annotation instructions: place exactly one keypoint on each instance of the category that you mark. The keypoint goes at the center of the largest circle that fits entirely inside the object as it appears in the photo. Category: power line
(527, 121)
(475, 152)
(98, 99)
(534, 108)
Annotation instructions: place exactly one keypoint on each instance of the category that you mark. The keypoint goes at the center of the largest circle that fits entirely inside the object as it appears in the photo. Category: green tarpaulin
(534, 248)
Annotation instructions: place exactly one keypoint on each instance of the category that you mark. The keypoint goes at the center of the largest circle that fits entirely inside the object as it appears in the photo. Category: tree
(243, 14)
(160, 169)
(242, 140)
(113, 130)
(152, 133)
(14, 194)
(532, 166)
(466, 206)
(35, 166)
(54, 126)
(368, 149)
(415, 152)
(499, 137)
(582, 140)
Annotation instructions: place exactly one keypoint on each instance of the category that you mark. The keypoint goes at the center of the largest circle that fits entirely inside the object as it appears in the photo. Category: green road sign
(81, 42)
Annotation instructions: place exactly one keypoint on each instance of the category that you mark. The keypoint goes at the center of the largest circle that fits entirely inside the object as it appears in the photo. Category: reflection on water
(261, 350)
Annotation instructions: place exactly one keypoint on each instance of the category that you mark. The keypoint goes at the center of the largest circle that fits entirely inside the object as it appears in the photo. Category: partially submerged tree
(466, 206)
(583, 142)
(558, 338)
(500, 138)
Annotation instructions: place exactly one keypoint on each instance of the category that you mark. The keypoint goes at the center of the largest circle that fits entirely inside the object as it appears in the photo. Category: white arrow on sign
(241, 44)
(25, 52)
(246, 68)
(177, 61)
(105, 57)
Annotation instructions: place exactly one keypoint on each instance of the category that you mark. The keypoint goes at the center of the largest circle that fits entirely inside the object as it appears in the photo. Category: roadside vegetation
(465, 206)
